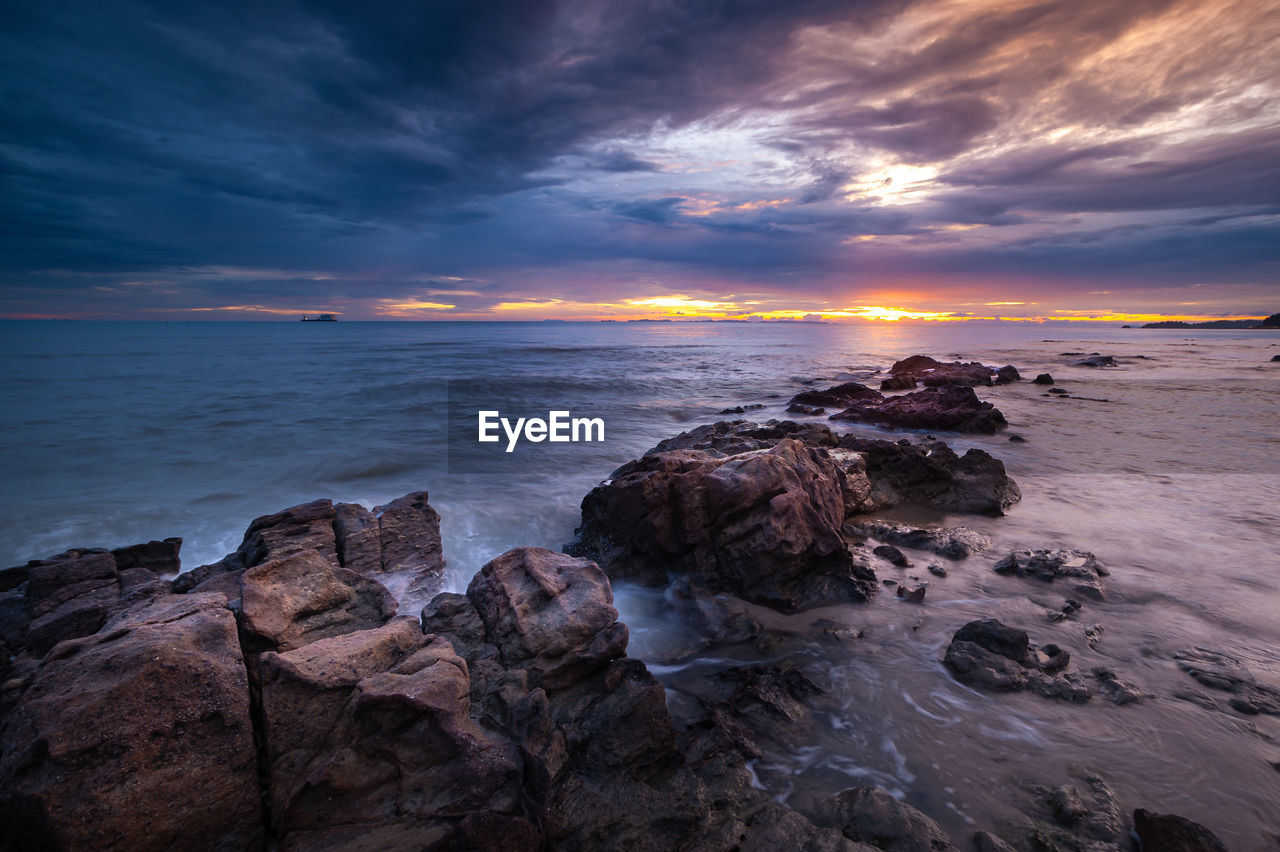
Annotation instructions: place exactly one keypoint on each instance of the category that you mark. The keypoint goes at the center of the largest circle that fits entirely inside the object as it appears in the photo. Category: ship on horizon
(319, 318)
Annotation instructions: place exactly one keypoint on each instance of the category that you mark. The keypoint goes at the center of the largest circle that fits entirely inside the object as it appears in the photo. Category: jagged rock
(985, 842)
(357, 539)
(933, 373)
(1116, 689)
(743, 409)
(951, 542)
(893, 555)
(764, 525)
(1078, 569)
(1007, 375)
(874, 816)
(412, 555)
(1225, 673)
(137, 737)
(158, 557)
(774, 827)
(307, 527)
(1042, 379)
(933, 476)
(896, 383)
(955, 408)
(712, 616)
(1172, 833)
(994, 656)
(549, 613)
(1098, 361)
(808, 410)
(288, 602)
(839, 396)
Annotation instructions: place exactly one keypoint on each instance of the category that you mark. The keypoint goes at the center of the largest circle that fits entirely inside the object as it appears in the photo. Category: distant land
(1272, 321)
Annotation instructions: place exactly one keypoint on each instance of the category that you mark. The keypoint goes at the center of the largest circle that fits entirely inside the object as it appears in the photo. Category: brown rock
(308, 526)
(1172, 833)
(410, 534)
(955, 408)
(137, 738)
(288, 602)
(357, 538)
(873, 816)
(549, 613)
(158, 557)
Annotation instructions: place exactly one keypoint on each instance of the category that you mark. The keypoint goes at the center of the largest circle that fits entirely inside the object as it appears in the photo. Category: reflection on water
(116, 433)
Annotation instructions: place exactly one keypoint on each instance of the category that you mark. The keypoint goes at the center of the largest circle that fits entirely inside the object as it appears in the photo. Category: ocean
(115, 433)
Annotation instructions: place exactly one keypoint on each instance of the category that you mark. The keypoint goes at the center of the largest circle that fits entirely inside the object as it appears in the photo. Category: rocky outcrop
(1097, 360)
(1079, 570)
(933, 373)
(1171, 833)
(954, 408)
(397, 544)
(1225, 673)
(1042, 379)
(136, 737)
(873, 816)
(764, 524)
(839, 396)
(951, 542)
(992, 656)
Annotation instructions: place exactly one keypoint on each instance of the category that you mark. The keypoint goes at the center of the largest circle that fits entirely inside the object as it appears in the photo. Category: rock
(138, 737)
(915, 595)
(872, 815)
(897, 383)
(742, 409)
(1225, 673)
(1098, 361)
(549, 613)
(985, 842)
(68, 596)
(1068, 808)
(412, 554)
(1170, 833)
(893, 555)
(1078, 569)
(956, 408)
(1117, 690)
(1275, 358)
(288, 602)
(951, 542)
(764, 525)
(711, 616)
(933, 373)
(307, 527)
(838, 396)
(775, 827)
(994, 656)
(1017, 439)
(931, 475)
(1042, 379)
(808, 410)
(1058, 391)
(357, 539)
(937, 570)
(158, 557)
(1007, 375)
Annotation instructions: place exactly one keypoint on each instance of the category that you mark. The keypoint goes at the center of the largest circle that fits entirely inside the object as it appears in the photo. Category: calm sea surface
(114, 433)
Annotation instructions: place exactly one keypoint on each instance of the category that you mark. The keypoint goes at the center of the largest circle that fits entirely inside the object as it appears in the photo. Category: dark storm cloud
(378, 142)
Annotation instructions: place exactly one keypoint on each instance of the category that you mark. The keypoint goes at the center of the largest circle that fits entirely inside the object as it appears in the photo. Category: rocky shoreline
(278, 698)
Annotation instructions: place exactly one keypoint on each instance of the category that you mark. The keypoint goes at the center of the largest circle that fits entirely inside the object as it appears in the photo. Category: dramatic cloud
(529, 159)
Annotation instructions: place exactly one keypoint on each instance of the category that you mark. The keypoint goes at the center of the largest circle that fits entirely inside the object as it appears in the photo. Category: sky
(748, 159)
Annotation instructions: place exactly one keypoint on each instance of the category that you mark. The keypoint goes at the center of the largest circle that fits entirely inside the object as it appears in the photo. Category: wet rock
(1171, 833)
(951, 542)
(937, 570)
(775, 827)
(1275, 358)
(1042, 379)
(1222, 672)
(772, 702)
(412, 554)
(898, 383)
(289, 602)
(985, 842)
(742, 409)
(807, 410)
(1059, 392)
(933, 476)
(712, 616)
(137, 737)
(915, 595)
(872, 815)
(838, 396)
(1115, 689)
(956, 408)
(994, 656)
(893, 555)
(1068, 807)
(549, 613)
(764, 525)
(1098, 361)
(933, 373)
(1077, 569)
(1017, 439)
(307, 527)
(357, 538)
(158, 557)
(1007, 375)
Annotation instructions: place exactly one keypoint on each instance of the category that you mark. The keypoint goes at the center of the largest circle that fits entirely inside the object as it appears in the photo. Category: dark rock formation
(1227, 674)
(897, 383)
(1275, 357)
(993, 656)
(893, 555)
(951, 542)
(874, 816)
(1116, 689)
(838, 396)
(137, 737)
(933, 373)
(1042, 379)
(1007, 374)
(158, 557)
(808, 410)
(742, 409)
(1098, 361)
(1171, 833)
(1078, 569)
(764, 524)
(955, 408)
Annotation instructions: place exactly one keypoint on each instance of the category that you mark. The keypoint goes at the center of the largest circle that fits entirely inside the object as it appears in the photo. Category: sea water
(115, 433)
